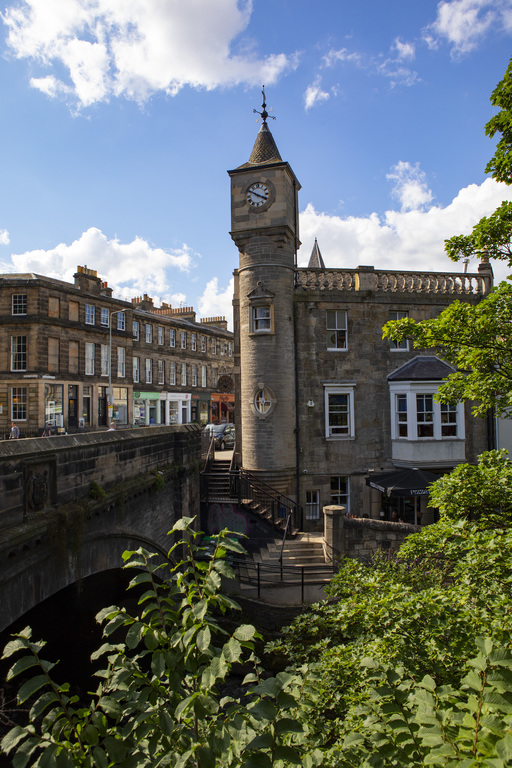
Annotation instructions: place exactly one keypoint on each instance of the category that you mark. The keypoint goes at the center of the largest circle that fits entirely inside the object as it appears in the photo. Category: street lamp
(110, 399)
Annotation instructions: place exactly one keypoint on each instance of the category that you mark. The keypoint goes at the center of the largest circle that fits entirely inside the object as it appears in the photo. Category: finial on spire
(263, 114)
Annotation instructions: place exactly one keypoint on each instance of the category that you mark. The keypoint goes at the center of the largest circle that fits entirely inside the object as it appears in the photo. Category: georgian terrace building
(75, 357)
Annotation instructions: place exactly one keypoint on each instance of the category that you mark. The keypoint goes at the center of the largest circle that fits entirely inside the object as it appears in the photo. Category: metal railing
(276, 507)
(266, 575)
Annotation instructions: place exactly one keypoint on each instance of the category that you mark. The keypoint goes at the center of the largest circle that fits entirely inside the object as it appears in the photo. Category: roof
(315, 260)
(265, 149)
(422, 368)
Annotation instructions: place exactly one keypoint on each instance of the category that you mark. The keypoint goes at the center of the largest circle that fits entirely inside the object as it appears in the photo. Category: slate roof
(265, 149)
(422, 368)
(315, 260)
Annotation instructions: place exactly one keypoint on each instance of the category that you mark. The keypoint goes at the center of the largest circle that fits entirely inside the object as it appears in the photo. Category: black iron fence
(264, 576)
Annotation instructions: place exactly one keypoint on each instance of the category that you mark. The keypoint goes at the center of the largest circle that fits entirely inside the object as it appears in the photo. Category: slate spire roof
(315, 260)
(265, 148)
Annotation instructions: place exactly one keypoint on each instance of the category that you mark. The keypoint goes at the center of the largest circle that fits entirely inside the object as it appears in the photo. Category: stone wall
(72, 505)
(361, 538)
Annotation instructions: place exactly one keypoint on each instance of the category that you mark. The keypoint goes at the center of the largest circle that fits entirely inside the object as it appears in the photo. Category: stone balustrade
(391, 281)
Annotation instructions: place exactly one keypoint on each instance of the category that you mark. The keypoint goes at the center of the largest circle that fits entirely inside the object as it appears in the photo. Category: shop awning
(404, 482)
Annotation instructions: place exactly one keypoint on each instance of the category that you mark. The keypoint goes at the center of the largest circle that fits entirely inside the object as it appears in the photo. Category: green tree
(161, 700)
(476, 339)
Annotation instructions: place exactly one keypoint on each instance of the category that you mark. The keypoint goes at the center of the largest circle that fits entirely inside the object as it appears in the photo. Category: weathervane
(264, 114)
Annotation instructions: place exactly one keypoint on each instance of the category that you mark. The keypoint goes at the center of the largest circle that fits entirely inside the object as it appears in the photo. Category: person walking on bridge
(15, 432)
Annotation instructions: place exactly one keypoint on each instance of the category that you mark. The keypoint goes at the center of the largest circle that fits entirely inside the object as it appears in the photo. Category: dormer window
(261, 310)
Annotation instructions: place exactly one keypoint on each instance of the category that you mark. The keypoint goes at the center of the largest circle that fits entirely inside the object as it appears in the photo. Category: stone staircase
(305, 549)
(218, 485)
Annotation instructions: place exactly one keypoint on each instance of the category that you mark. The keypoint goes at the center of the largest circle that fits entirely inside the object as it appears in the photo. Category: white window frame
(149, 333)
(121, 362)
(193, 342)
(411, 390)
(204, 375)
(136, 369)
(336, 322)
(135, 330)
(104, 316)
(89, 314)
(336, 496)
(398, 346)
(19, 302)
(161, 372)
(149, 370)
(312, 505)
(104, 360)
(183, 337)
(172, 374)
(121, 321)
(261, 318)
(203, 344)
(89, 358)
(334, 432)
(214, 346)
(194, 375)
(172, 337)
(230, 349)
(19, 350)
(183, 374)
(160, 335)
(19, 403)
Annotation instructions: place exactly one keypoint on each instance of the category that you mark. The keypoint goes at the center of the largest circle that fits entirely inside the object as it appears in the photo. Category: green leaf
(288, 754)
(258, 760)
(30, 687)
(13, 737)
(203, 639)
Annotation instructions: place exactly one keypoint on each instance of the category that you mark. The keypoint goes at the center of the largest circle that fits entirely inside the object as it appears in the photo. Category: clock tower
(264, 227)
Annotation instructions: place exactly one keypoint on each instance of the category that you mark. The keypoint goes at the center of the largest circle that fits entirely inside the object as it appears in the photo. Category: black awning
(405, 482)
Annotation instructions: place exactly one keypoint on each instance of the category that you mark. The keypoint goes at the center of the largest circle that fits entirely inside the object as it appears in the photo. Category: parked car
(223, 434)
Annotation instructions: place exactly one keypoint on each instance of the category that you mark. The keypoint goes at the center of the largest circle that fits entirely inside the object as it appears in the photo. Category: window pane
(18, 403)
(18, 353)
(336, 324)
(425, 415)
(339, 414)
(398, 315)
(340, 491)
(448, 420)
(89, 314)
(19, 304)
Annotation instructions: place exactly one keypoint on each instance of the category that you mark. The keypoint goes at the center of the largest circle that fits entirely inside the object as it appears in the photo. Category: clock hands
(257, 194)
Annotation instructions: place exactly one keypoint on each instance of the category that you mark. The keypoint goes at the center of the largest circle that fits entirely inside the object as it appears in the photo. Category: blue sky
(120, 119)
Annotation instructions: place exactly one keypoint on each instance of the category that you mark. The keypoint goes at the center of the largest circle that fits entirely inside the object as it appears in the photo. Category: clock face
(257, 194)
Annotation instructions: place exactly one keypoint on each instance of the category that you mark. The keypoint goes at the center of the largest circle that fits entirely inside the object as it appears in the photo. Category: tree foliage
(160, 699)
(476, 339)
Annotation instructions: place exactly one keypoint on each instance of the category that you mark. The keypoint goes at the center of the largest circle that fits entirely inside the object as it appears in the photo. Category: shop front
(402, 496)
(146, 408)
(222, 408)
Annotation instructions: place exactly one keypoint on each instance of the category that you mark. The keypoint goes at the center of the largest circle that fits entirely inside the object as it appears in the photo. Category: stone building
(327, 409)
(74, 357)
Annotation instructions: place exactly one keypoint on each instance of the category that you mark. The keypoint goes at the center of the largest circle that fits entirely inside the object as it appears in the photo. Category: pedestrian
(47, 430)
(15, 432)
(112, 427)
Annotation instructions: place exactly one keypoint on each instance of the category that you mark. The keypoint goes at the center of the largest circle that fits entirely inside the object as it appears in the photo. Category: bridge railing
(267, 576)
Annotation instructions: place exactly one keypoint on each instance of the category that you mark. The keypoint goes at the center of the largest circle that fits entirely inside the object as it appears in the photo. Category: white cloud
(463, 23)
(404, 50)
(135, 48)
(4, 237)
(391, 66)
(216, 302)
(409, 239)
(410, 186)
(314, 94)
(94, 250)
(342, 54)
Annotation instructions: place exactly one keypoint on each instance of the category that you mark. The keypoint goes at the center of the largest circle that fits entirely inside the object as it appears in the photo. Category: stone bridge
(71, 504)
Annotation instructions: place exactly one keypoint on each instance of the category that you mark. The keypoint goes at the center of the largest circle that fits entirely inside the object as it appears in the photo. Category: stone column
(334, 520)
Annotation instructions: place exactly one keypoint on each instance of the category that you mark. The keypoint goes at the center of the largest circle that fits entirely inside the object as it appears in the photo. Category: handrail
(260, 574)
(255, 489)
(284, 536)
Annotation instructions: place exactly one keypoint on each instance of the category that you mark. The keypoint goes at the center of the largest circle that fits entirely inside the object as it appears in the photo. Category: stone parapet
(387, 281)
